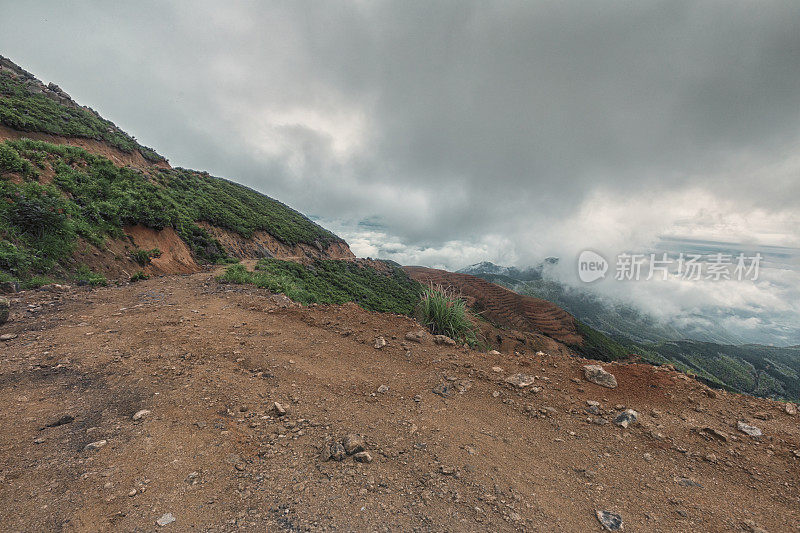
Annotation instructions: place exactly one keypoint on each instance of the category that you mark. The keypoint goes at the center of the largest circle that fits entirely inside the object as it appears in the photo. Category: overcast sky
(446, 133)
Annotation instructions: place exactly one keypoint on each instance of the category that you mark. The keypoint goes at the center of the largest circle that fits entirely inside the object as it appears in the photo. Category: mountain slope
(83, 199)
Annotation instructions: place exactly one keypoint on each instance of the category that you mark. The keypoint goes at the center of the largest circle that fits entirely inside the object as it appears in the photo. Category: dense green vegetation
(91, 198)
(333, 282)
(25, 111)
(445, 313)
(598, 345)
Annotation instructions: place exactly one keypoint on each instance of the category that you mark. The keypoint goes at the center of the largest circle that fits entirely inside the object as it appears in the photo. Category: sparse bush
(444, 313)
(143, 257)
(86, 276)
(139, 276)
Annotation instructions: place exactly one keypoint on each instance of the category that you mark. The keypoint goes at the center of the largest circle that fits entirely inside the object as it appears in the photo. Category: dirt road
(207, 362)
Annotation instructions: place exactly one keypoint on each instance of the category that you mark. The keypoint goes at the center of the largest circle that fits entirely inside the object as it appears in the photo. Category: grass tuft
(444, 312)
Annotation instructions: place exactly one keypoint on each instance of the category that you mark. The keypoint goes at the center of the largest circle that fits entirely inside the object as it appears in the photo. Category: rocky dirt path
(152, 407)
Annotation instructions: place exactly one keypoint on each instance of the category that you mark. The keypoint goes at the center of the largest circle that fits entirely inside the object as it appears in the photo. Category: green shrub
(86, 276)
(37, 281)
(143, 257)
(139, 276)
(25, 111)
(445, 313)
(93, 199)
(333, 282)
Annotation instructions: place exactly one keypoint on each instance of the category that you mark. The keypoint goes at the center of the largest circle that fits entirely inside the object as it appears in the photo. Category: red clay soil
(505, 307)
(175, 258)
(208, 360)
(117, 156)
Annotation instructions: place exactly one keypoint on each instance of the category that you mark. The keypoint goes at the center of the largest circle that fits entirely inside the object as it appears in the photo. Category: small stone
(336, 451)
(64, 419)
(132, 493)
(494, 352)
(383, 389)
(747, 429)
(9, 287)
(380, 342)
(8, 336)
(353, 443)
(278, 409)
(165, 520)
(592, 403)
(443, 389)
(647, 457)
(363, 457)
(497, 369)
(96, 445)
(415, 336)
(444, 339)
(140, 415)
(610, 521)
(520, 380)
(597, 375)
(5, 305)
(790, 409)
(625, 418)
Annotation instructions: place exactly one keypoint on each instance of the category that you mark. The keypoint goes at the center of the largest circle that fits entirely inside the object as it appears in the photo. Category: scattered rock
(380, 342)
(790, 409)
(278, 409)
(443, 389)
(64, 419)
(383, 389)
(713, 434)
(96, 445)
(9, 287)
(416, 336)
(598, 376)
(141, 415)
(165, 520)
(610, 521)
(353, 443)
(4, 307)
(444, 339)
(520, 380)
(363, 457)
(747, 429)
(626, 418)
(332, 450)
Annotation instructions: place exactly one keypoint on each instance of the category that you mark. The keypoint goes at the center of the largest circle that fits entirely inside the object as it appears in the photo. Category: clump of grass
(444, 312)
(139, 276)
(86, 276)
(143, 257)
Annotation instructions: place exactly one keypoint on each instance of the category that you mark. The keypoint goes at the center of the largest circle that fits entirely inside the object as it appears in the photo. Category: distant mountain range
(715, 355)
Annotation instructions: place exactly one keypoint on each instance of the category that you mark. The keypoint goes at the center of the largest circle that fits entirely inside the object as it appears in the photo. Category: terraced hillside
(505, 307)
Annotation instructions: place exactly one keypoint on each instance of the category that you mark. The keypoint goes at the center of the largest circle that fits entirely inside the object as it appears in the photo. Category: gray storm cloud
(462, 130)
